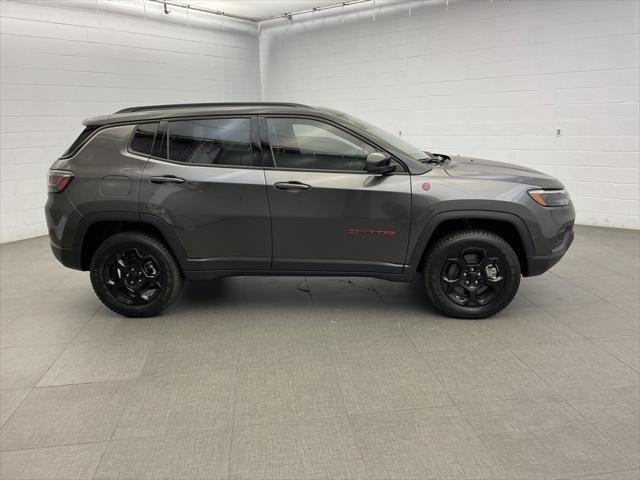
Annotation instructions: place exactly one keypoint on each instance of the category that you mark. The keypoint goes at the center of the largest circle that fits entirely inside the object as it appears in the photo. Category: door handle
(167, 179)
(293, 186)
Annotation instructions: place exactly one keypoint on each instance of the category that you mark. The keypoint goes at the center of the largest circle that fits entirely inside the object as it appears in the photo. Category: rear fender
(167, 234)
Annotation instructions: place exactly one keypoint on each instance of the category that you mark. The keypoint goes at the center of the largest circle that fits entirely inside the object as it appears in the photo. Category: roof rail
(196, 105)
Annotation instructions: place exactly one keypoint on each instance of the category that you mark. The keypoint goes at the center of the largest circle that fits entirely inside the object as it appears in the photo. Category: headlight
(550, 198)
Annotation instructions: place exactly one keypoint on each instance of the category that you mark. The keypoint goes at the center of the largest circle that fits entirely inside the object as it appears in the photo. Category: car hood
(466, 167)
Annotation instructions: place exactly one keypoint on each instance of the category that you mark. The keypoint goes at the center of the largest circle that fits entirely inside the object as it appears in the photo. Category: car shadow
(302, 293)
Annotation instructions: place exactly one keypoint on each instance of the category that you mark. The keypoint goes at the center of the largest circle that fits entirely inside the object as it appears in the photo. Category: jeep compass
(151, 195)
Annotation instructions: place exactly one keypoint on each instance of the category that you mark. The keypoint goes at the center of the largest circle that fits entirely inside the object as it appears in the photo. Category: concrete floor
(298, 378)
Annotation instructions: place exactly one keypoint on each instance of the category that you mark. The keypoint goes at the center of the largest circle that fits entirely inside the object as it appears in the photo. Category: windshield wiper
(436, 158)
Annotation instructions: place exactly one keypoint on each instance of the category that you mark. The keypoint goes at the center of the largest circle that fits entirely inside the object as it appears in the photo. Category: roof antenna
(165, 9)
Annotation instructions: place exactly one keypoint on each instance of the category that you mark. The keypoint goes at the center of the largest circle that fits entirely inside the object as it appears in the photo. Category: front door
(205, 180)
(327, 212)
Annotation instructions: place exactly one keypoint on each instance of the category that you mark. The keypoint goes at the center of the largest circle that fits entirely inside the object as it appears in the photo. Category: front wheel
(471, 274)
(135, 275)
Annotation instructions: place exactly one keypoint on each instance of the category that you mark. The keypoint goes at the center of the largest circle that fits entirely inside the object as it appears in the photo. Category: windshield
(388, 137)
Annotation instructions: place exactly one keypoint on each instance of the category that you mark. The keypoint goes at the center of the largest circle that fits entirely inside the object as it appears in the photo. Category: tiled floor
(296, 378)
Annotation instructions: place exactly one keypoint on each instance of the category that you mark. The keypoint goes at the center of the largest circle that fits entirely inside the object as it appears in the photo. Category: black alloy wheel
(473, 278)
(471, 274)
(134, 274)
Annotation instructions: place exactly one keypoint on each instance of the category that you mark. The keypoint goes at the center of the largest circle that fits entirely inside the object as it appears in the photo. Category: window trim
(269, 162)
(256, 148)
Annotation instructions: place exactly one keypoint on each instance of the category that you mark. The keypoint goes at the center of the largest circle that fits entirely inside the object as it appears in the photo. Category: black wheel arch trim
(168, 236)
(415, 256)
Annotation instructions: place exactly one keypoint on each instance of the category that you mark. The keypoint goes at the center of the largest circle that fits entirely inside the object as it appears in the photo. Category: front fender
(414, 255)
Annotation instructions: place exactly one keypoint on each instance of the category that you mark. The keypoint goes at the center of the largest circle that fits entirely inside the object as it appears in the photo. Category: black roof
(155, 112)
(176, 106)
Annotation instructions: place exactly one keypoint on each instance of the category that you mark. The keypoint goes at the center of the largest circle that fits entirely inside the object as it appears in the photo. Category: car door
(205, 180)
(327, 212)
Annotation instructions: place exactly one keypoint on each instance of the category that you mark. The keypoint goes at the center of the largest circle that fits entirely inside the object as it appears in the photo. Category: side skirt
(211, 274)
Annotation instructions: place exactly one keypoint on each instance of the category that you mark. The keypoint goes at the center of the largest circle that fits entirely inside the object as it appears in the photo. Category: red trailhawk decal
(370, 232)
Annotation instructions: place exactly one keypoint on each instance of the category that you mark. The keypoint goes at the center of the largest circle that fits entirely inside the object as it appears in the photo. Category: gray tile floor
(296, 378)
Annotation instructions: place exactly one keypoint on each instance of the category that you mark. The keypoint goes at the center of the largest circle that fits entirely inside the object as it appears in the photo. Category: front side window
(305, 144)
(220, 141)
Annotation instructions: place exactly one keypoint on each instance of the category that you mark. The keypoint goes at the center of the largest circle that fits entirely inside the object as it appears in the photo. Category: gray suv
(151, 195)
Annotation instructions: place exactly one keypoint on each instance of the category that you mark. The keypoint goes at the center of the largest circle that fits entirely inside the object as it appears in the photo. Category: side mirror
(379, 163)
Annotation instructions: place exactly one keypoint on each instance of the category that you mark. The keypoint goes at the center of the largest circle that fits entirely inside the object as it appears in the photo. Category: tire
(134, 274)
(471, 274)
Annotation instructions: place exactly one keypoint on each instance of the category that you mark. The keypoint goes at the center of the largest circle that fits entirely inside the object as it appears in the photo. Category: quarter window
(79, 141)
(220, 141)
(306, 144)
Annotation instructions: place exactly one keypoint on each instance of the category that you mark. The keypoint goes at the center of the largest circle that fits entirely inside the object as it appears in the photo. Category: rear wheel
(134, 274)
(471, 274)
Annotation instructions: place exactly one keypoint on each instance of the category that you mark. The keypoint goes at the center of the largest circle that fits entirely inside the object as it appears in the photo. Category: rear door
(205, 180)
(327, 212)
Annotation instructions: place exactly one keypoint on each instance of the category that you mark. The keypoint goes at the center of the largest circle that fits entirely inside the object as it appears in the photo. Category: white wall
(65, 60)
(489, 79)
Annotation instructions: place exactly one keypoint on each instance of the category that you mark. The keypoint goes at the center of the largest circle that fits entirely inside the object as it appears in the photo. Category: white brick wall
(62, 61)
(489, 79)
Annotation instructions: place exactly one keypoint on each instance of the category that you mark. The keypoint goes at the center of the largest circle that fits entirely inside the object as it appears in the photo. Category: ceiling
(259, 8)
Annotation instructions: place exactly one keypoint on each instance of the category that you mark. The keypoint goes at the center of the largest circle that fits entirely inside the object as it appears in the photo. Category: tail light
(59, 180)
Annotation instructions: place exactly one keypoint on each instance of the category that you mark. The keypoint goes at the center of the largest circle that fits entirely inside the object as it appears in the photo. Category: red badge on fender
(426, 186)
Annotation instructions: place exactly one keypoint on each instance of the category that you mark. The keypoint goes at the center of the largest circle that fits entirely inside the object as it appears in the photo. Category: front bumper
(539, 264)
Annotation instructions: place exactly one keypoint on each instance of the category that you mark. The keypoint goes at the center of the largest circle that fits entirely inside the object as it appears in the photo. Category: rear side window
(142, 140)
(79, 141)
(220, 141)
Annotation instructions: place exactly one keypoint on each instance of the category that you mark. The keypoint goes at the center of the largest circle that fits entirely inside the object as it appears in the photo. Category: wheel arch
(96, 228)
(509, 226)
